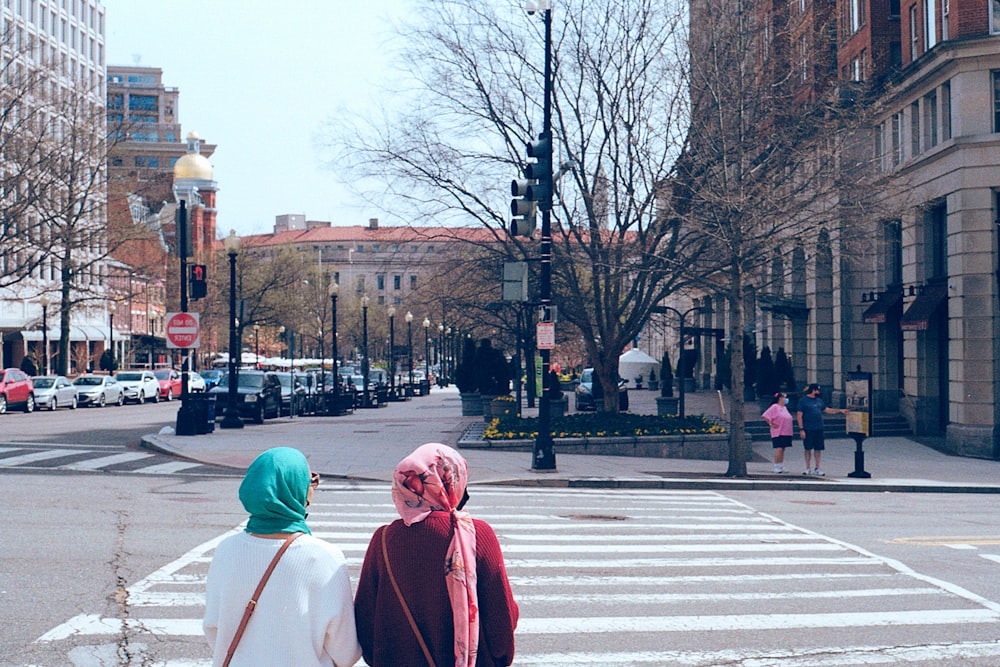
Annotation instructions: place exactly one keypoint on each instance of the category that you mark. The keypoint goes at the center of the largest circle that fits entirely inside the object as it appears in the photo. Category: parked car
(211, 377)
(585, 398)
(286, 393)
(170, 383)
(196, 383)
(258, 392)
(139, 386)
(16, 390)
(53, 391)
(98, 390)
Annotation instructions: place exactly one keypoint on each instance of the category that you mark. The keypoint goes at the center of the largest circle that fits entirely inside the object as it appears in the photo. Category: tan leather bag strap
(252, 605)
(402, 602)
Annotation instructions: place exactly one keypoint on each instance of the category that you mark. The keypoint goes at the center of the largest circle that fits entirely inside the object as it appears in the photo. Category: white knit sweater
(305, 615)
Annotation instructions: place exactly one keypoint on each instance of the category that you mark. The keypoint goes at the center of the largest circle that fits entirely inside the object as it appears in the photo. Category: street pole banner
(183, 331)
(545, 332)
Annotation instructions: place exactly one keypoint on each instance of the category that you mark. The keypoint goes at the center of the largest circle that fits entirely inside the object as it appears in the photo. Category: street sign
(183, 331)
(545, 332)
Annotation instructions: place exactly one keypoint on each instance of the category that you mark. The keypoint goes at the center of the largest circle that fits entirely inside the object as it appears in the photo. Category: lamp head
(391, 311)
(232, 243)
(112, 308)
(43, 301)
(333, 288)
(427, 323)
(409, 317)
(364, 301)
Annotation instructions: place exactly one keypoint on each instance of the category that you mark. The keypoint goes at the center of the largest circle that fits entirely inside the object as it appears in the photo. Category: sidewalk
(367, 445)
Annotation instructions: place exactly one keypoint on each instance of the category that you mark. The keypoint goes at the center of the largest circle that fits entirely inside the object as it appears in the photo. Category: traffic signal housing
(534, 191)
(197, 285)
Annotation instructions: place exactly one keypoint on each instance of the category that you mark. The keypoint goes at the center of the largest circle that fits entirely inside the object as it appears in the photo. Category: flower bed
(603, 425)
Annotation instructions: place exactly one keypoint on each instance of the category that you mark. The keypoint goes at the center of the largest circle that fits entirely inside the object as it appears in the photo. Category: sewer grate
(594, 517)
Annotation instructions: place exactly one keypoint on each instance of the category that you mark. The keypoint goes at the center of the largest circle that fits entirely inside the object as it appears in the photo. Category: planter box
(667, 405)
(472, 404)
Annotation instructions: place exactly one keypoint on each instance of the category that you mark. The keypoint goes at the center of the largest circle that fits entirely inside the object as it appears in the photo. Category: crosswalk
(88, 458)
(616, 578)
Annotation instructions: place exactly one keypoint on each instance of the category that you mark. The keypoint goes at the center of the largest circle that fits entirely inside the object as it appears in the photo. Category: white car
(139, 386)
(53, 391)
(196, 383)
(98, 390)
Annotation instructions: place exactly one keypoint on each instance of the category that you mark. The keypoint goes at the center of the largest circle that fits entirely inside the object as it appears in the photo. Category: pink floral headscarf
(433, 479)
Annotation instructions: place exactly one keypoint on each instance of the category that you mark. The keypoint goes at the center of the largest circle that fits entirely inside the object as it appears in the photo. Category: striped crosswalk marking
(588, 582)
(106, 461)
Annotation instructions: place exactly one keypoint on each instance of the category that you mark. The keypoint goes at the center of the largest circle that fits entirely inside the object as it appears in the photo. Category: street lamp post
(680, 356)
(332, 291)
(256, 345)
(409, 347)
(364, 350)
(439, 353)
(392, 352)
(232, 419)
(186, 416)
(427, 353)
(44, 303)
(111, 337)
(544, 454)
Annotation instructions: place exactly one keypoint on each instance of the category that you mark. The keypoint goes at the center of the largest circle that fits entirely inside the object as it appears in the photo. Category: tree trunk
(737, 432)
(65, 310)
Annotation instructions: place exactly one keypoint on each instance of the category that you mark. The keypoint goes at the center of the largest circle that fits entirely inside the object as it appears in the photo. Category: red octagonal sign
(183, 330)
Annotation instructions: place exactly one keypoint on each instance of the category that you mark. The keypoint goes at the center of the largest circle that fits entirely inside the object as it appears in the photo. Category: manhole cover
(595, 517)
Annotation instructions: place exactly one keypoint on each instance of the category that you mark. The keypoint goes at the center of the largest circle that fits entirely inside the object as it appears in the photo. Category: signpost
(183, 331)
(859, 417)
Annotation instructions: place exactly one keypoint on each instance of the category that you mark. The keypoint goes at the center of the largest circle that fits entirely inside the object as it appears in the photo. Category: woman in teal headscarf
(305, 614)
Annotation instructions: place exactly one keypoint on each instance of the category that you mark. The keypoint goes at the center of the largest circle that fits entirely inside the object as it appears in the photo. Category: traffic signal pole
(186, 424)
(544, 454)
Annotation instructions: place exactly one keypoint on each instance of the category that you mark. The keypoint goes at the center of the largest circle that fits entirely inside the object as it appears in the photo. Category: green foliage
(603, 425)
(666, 375)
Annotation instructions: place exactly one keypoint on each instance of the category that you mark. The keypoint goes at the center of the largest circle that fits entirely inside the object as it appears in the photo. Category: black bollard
(859, 458)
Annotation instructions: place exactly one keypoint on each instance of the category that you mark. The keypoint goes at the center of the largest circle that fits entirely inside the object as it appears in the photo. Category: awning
(76, 332)
(918, 316)
(886, 303)
(782, 306)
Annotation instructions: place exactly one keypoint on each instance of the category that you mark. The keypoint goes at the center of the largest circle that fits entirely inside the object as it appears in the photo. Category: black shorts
(781, 441)
(814, 440)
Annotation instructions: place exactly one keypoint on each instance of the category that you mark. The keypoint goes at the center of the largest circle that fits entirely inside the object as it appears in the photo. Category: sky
(259, 78)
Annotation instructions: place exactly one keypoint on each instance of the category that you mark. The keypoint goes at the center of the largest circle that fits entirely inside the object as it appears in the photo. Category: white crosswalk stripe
(752, 593)
(88, 459)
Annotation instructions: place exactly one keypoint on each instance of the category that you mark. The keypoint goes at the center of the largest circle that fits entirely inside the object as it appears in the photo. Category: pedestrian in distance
(433, 589)
(779, 419)
(303, 614)
(809, 413)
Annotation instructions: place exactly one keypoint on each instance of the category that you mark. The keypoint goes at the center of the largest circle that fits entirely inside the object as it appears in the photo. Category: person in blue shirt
(809, 414)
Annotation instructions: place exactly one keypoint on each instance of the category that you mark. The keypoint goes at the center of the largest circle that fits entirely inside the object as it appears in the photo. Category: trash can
(210, 414)
(203, 408)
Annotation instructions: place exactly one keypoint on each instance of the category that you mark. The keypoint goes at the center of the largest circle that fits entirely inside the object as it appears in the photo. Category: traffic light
(522, 209)
(197, 286)
(534, 192)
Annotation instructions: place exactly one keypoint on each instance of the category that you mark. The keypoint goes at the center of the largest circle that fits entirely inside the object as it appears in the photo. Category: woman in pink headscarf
(433, 588)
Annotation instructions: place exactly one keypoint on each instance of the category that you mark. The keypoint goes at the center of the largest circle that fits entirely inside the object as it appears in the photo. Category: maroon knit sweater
(417, 554)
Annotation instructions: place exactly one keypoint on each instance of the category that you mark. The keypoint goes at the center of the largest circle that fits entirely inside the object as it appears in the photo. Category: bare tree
(620, 110)
(777, 167)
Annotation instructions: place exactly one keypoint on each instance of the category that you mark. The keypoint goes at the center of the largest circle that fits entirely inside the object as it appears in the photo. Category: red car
(16, 390)
(170, 383)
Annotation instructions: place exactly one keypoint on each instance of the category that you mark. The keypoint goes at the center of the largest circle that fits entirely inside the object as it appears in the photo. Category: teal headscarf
(275, 490)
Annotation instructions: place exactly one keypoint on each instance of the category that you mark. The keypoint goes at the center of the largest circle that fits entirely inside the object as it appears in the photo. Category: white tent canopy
(634, 363)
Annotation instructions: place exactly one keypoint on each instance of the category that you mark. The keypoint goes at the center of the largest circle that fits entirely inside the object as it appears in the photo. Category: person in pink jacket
(780, 420)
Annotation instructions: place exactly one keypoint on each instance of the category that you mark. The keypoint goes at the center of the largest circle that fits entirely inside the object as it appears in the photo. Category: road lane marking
(948, 540)
(105, 461)
(34, 457)
(167, 468)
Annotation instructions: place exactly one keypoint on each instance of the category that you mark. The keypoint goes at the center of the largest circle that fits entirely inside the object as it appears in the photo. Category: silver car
(139, 386)
(98, 390)
(54, 391)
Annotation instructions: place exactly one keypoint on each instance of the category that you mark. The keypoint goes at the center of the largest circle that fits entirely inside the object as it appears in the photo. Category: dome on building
(193, 164)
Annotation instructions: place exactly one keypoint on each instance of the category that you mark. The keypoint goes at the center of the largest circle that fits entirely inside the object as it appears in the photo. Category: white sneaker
(807, 472)
(818, 472)
(779, 469)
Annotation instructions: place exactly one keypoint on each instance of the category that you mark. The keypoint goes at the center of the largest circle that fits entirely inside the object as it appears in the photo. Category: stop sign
(183, 330)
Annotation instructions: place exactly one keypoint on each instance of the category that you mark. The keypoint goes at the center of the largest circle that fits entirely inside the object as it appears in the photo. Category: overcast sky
(258, 78)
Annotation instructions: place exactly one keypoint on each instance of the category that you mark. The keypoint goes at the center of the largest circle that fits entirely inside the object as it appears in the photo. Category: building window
(915, 129)
(413, 282)
(996, 101)
(897, 138)
(803, 58)
(930, 24)
(380, 281)
(397, 282)
(894, 8)
(937, 241)
(945, 15)
(930, 120)
(946, 112)
(914, 33)
(144, 102)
